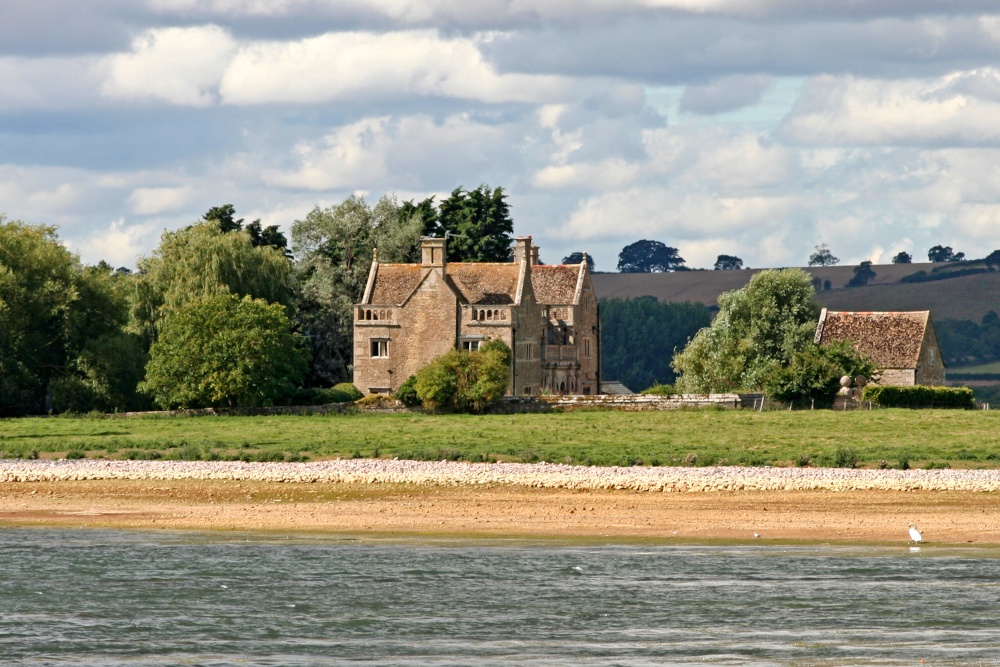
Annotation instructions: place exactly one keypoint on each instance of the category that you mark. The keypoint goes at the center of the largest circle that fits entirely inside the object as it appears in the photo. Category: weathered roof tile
(890, 339)
(555, 283)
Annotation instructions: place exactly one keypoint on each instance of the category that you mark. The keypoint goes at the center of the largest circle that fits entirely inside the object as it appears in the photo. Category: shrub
(407, 393)
(904, 461)
(845, 457)
(465, 381)
(75, 454)
(919, 397)
(348, 389)
(813, 375)
(660, 390)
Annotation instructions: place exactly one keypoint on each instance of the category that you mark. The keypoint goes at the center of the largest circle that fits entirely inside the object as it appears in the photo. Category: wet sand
(242, 503)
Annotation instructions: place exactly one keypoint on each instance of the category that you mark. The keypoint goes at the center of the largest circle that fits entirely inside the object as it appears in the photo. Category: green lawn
(956, 437)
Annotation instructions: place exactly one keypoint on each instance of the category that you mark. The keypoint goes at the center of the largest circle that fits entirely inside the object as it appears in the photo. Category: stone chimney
(433, 251)
(534, 255)
(523, 249)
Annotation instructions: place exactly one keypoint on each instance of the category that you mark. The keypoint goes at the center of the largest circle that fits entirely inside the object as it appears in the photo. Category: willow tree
(202, 260)
(757, 331)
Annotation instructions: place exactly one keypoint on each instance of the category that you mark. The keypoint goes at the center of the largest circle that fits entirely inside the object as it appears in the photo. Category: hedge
(919, 397)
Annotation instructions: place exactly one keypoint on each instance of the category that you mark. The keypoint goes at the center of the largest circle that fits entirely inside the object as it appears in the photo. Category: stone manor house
(411, 314)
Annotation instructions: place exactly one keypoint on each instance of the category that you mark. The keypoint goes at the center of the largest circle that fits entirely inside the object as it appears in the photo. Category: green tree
(902, 257)
(863, 274)
(812, 376)
(941, 253)
(757, 331)
(225, 217)
(223, 350)
(203, 260)
(55, 316)
(728, 263)
(639, 337)
(823, 257)
(577, 257)
(478, 225)
(462, 381)
(649, 257)
(334, 247)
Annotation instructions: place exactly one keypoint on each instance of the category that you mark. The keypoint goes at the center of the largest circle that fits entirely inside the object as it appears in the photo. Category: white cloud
(386, 152)
(369, 66)
(868, 112)
(119, 244)
(48, 83)
(153, 201)
(181, 66)
(603, 175)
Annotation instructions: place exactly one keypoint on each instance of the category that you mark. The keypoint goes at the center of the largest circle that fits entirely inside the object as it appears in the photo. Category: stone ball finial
(845, 381)
(860, 381)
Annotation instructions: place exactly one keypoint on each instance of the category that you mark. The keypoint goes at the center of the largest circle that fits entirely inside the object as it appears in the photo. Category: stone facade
(903, 345)
(412, 313)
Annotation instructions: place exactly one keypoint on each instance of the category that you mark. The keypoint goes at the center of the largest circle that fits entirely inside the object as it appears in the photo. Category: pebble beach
(536, 475)
(502, 500)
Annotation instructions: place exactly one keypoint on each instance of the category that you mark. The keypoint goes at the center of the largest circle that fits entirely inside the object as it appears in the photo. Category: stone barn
(547, 315)
(902, 345)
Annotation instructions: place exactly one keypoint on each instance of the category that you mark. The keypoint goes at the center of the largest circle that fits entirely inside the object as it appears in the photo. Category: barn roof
(890, 339)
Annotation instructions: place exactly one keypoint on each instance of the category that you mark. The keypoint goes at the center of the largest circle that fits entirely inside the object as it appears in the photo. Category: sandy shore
(494, 500)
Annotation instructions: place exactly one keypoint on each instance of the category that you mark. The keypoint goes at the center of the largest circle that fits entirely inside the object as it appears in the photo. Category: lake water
(89, 597)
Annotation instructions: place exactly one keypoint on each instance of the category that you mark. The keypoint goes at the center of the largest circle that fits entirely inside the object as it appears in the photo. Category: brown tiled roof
(891, 340)
(394, 282)
(555, 283)
(483, 283)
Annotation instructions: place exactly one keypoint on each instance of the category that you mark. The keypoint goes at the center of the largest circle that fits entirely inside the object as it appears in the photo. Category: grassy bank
(959, 439)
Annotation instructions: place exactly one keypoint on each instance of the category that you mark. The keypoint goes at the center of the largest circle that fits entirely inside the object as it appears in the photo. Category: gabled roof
(476, 283)
(484, 283)
(555, 283)
(890, 339)
(394, 283)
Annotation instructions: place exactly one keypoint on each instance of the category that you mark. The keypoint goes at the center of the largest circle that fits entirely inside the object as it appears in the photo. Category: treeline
(966, 343)
(221, 313)
(639, 337)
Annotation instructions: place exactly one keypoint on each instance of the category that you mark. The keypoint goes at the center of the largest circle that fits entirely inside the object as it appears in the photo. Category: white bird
(757, 535)
(915, 534)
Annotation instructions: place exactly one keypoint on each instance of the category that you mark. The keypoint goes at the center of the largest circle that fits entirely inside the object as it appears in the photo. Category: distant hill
(967, 297)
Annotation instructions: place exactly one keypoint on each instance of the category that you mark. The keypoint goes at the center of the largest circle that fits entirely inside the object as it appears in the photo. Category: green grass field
(960, 439)
(993, 367)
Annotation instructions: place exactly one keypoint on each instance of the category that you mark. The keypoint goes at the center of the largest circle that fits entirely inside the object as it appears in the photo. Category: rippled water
(129, 598)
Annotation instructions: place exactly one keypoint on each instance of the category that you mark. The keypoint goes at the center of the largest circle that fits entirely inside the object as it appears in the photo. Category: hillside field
(962, 298)
(959, 439)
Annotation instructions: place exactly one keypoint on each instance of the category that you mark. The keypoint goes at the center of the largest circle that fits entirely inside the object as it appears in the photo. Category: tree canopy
(941, 253)
(223, 350)
(757, 330)
(902, 257)
(203, 260)
(55, 318)
(823, 257)
(225, 217)
(863, 274)
(478, 225)
(649, 257)
(728, 263)
(577, 257)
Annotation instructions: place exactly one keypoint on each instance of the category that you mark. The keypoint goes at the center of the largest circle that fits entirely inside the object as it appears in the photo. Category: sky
(755, 128)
